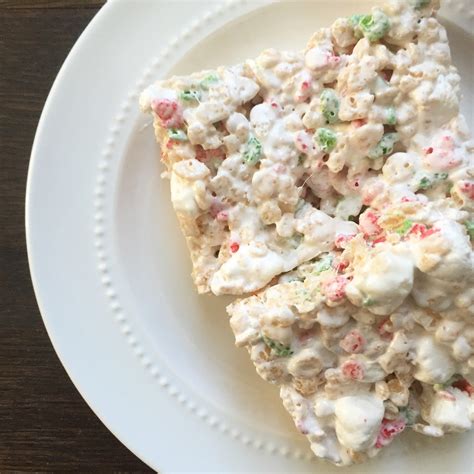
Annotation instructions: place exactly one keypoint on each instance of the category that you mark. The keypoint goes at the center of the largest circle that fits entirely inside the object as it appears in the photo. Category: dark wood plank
(44, 423)
(42, 4)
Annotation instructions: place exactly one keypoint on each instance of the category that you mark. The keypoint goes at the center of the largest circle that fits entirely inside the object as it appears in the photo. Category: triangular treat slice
(241, 159)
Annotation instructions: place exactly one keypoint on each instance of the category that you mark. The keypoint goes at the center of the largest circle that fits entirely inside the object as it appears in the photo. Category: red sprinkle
(169, 112)
(388, 431)
(464, 386)
(379, 240)
(352, 369)
(305, 85)
(468, 188)
(353, 342)
(428, 150)
(422, 231)
(368, 223)
(234, 246)
(335, 289)
(341, 266)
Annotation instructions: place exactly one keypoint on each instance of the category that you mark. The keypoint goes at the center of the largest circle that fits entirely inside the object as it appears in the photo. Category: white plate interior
(190, 333)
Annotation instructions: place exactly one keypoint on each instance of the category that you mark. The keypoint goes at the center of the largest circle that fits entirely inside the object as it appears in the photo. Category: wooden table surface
(45, 425)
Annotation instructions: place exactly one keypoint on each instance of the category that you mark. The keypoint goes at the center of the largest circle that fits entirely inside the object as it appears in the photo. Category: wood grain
(45, 426)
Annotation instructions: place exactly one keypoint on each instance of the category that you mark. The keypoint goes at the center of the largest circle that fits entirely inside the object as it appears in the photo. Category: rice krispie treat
(338, 181)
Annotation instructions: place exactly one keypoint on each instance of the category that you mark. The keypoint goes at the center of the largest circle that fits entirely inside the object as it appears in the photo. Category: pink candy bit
(388, 431)
(304, 142)
(467, 188)
(353, 369)
(234, 247)
(341, 240)
(222, 216)
(305, 85)
(448, 142)
(407, 199)
(353, 342)
(464, 386)
(335, 289)
(368, 224)
(168, 111)
(359, 123)
(443, 155)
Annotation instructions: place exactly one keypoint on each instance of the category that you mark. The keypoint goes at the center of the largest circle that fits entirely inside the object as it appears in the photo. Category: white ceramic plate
(155, 361)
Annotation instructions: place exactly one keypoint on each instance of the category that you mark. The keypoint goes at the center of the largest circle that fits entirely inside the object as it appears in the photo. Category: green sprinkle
(425, 183)
(253, 152)
(190, 95)
(326, 139)
(329, 104)
(323, 264)
(301, 158)
(441, 176)
(470, 229)
(384, 146)
(208, 81)
(178, 135)
(368, 301)
(374, 27)
(279, 349)
(391, 116)
(405, 227)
